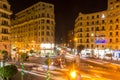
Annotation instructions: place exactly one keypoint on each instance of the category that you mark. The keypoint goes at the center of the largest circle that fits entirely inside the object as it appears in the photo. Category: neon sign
(100, 40)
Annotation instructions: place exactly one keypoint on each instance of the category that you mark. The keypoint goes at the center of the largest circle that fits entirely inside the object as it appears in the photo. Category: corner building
(99, 30)
(5, 13)
(33, 28)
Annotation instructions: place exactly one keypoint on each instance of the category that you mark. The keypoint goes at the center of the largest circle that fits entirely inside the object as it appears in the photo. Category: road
(88, 72)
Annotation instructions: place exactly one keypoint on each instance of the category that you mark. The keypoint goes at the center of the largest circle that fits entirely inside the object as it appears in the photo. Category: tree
(23, 56)
(4, 56)
(32, 51)
(8, 71)
(80, 47)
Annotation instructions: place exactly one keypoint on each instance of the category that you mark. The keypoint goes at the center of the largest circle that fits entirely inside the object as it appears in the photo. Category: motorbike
(59, 62)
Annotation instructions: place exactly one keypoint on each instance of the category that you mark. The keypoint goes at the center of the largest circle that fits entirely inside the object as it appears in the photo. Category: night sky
(66, 11)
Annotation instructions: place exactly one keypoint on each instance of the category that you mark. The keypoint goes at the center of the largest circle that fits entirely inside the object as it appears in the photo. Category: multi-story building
(99, 30)
(70, 39)
(5, 13)
(34, 27)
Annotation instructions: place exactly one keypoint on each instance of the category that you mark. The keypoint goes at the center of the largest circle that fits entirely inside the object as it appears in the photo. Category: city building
(33, 29)
(5, 23)
(99, 30)
(70, 39)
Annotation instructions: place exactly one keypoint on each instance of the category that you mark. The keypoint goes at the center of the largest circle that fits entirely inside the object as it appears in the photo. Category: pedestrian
(77, 61)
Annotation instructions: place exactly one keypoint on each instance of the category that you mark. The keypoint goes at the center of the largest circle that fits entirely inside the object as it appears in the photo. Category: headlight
(73, 74)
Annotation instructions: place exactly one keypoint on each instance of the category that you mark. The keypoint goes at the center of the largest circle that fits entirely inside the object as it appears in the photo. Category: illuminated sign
(100, 40)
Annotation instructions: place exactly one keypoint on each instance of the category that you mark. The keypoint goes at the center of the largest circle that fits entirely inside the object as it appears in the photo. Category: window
(48, 34)
(87, 40)
(4, 38)
(103, 21)
(117, 40)
(92, 17)
(87, 17)
(97, 22)
(48, 15)
(102, 46)
(116, 33)
(103, 28)
(48, 28)
(116, 27)
(51, 34)
(80, 29)
(92, 40)
(92, 29)
(87, 35)
(91, 45)
(97, 28)
(111, 2)
(110, 33)
(117, 6)
(5, 31)
(42, 39)
(92, 22)
(47, 40)
(87, 23)
(42, 21)
(87, 29)
(97, 16)
(48, 21)
(51, 22)
(80, 35)
(43, 15)
(4, 22)
(50, 6)
(81, 40)
(87, 46)
(4, 6)
(42, 33)
(110, 40)
(43, 28)
(80, 18)
(117, 20)
(110, 27)
(111, 21)
(81, 24)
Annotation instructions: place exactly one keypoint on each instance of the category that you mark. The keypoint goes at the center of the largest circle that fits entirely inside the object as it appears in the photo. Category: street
(35, 71)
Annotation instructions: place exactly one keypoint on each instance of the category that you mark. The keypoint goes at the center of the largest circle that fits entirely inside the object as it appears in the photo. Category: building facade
(34, 27)
(5, 13)
(99, 30)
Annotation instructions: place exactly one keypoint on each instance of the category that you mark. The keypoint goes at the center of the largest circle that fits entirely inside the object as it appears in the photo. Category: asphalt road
(88, 72)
